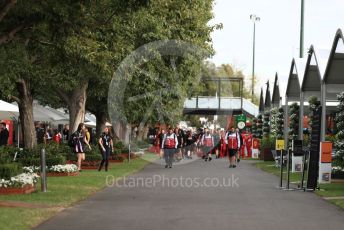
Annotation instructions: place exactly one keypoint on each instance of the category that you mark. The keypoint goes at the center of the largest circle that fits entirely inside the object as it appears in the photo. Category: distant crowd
(175, 144)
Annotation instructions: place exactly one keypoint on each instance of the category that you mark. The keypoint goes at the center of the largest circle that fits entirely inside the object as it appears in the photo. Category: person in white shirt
(207, 142)
(232, 140)
(169, 144)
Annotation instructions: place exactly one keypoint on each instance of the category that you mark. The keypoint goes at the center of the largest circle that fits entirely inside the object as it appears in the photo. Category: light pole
(302, 27)
(255, 19)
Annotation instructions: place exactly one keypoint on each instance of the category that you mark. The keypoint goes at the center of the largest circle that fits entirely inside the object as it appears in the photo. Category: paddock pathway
(194, 202)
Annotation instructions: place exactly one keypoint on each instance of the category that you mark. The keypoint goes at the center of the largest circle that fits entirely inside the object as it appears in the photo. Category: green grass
(148, 156)
(62, 192)
(269, 166)
(339, 203)
(331, 190)
(326, 190)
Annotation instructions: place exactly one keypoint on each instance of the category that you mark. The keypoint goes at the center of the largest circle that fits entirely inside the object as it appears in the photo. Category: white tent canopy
(47, 114)
(8, 111)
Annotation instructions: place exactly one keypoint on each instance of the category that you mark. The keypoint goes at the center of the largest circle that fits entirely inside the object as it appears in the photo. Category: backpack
(72, 141)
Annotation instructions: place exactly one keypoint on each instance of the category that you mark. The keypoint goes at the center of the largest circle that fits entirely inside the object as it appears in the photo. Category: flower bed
(116, 161)
(23, 183)
(51, 174)
(125, 155)
(89, 167)
(14, 191)
(56, 170)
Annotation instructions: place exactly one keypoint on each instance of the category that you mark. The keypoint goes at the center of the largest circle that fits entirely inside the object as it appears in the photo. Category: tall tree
(22, 57)
(156, 86)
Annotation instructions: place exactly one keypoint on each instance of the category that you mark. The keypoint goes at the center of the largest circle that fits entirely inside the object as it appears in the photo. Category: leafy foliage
(294, 121)
(339, 144)
(277, 121)
(266, 124)
(254, 127)
(260, 126)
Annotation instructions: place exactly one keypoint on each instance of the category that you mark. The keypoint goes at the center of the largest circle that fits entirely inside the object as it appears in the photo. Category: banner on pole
(326, 152)
(280, 144)
(255, 144)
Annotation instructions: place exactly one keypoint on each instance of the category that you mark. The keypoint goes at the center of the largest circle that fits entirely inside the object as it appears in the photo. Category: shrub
(10, 170)
(118, 145)
(125, 150)
(7, 154)
(117, 151)
(93, 157)
(117, 157)
(50, 161)
(267, 143)
(140, 145)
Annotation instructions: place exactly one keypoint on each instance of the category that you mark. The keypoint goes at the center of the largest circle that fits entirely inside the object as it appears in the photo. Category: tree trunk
(25, 104)
(101, 120)
(122, 131)
(142, 133)
(76, 102)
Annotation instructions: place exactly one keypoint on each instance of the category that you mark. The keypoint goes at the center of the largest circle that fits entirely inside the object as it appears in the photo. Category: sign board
(280, 144)
(255, 144)
(240, 121)
(255, 153)
(325, 172)
(326, 152)
(296, 164)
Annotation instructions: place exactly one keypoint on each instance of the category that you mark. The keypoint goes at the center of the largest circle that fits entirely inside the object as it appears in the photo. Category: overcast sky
(277, 33)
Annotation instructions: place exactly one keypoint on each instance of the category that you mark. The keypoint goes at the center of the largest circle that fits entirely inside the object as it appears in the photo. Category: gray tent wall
(333, 79)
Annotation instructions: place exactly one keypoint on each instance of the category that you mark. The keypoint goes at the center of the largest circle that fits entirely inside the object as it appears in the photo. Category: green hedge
(10, 170)
(93, 157)
(7, 154)
(50, 161)
(118, 145)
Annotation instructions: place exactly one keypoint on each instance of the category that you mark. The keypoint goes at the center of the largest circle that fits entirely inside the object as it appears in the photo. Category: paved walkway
(254, 204)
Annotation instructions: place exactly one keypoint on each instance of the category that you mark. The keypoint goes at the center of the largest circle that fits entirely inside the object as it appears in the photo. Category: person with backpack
(233, 143)
(78, 142)
(169, 144)
(207, 142)
(106, 146)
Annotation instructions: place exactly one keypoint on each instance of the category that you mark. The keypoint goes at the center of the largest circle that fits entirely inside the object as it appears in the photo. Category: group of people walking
(79, 143)
(177, 144)
(174, 145)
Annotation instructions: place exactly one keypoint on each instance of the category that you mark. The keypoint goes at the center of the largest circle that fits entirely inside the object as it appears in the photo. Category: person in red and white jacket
(233, 143)
(207, 142)
(169, 144)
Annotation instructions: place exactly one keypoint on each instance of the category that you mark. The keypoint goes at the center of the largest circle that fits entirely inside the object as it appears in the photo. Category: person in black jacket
(3, 134)
(106, 146)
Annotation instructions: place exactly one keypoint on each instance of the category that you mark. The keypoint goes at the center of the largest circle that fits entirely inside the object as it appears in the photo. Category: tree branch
(15, 99)
(63, 95)
(9, 5)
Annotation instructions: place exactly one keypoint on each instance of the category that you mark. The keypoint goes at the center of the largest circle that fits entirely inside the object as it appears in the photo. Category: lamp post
(255, 19)
(302, 27)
